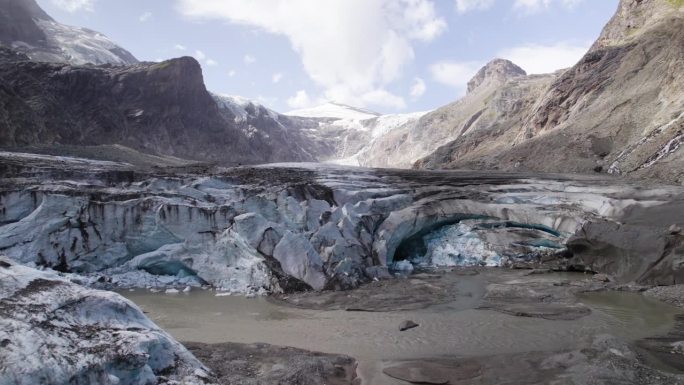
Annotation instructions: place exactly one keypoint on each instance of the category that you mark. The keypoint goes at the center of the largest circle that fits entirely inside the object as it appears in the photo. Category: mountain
(25, 27)
(71, 90)
(157, 108)
(495, 96)
(619, 110)
(496, 71)
(52, 101)
(350, 131)
(285, 137)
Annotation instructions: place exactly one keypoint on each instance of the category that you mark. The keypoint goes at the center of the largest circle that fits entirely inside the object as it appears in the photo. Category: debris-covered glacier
(284, 227)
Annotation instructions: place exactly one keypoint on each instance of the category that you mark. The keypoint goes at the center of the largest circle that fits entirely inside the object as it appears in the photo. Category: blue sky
(385, 55)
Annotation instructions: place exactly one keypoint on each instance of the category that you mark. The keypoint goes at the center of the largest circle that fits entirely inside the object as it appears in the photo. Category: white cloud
(145, 16)
(571, 3)
(418, 88)
(300, 100)
(200, 56)
(463, 6)
(180, 47)
(533, 6)
(231, 73)
(539, 59)
(75, 5)
(454, 73)
(248, 59)
(351, 49)
(276, 77)
(524, 6)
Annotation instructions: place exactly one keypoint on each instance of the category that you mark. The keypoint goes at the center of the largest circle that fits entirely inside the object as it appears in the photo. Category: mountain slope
(51, 101)
(497, 94)
(619, 110)
(25, 27)
(349, 132)
(266, 129)
(157, 108)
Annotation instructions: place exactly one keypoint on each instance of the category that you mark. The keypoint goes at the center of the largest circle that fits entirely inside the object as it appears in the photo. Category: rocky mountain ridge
(619, 110)
(496, 95)
(157, 108)
(25, 27)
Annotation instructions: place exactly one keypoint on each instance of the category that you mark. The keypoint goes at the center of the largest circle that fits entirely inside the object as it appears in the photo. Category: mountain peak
(336, 110)
(633, 17)
(25, 27)
(497, 69)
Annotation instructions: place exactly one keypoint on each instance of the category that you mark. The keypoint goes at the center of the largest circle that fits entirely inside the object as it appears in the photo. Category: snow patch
(334, 110)
(82, 46)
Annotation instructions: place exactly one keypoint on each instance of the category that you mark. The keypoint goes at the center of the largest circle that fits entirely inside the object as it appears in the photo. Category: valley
(156, 231)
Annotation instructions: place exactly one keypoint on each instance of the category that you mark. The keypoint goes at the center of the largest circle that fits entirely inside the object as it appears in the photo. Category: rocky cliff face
(25, 27)
(619, 110)
(286, 138)
(158, 108)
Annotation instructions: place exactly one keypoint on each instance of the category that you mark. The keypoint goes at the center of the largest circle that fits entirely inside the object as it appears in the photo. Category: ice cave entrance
(476, 242)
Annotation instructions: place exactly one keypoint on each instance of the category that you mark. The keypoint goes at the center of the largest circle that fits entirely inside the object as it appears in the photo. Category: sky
(390, 56)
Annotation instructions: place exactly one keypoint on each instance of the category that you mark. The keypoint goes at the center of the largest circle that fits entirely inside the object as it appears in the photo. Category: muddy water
(373, 337)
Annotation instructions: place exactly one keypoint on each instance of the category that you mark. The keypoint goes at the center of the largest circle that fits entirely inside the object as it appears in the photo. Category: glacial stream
(455, 329)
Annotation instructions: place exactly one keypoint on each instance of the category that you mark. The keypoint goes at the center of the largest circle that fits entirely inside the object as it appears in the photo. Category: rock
(674, 230)
(406, 325)
(636, 246)
(601, 277)
(172, 291)
(674, 294)
(263, 364)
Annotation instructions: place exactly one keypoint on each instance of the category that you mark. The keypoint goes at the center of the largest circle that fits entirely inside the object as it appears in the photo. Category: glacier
(284, 227)
(53, 331)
